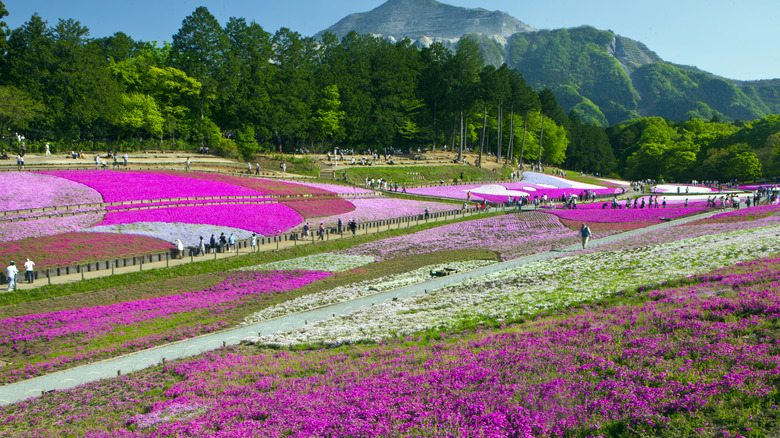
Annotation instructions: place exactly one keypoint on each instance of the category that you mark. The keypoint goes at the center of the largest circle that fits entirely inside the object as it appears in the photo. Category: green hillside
(583, 67)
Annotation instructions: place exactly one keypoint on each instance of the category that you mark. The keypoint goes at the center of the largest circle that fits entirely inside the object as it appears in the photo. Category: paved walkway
(132, 362)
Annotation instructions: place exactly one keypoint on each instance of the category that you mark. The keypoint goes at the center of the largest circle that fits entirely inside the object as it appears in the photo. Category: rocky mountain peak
(429, 20)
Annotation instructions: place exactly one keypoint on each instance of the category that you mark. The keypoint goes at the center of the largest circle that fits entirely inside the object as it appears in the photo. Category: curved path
(136, 361)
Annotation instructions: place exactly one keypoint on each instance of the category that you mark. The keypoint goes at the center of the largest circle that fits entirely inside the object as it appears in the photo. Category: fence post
(81, 268)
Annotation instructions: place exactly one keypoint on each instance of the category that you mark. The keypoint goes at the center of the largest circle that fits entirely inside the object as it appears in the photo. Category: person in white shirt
(28, 271)
(11, 272)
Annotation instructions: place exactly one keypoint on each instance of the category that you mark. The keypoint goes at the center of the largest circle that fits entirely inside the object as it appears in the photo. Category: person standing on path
(179, 249)
(257, 169)
(232, 242)
(253, 242)
(585, 234)
(353, 226)
(124, 157)
(187, 164)
(213, 243)
(340, 227)
(321, 231)
(29, 276)
(11, 272)
(222, 242)
(48, 151)
(202, 247)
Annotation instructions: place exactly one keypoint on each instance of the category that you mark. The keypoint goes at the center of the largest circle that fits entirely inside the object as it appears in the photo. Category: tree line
(241, 90)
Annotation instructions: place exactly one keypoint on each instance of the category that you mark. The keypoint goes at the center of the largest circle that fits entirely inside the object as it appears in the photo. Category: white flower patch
(528, 289)
(327, 262)
(361, 289)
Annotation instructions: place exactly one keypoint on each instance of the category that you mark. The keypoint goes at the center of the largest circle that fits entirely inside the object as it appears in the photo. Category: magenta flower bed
(10, 231)
(265, 186)
(86, 326)
(28, 190)
(512, 236)
(265, 219)
(669, 361)
(119, 186)
(75, 248)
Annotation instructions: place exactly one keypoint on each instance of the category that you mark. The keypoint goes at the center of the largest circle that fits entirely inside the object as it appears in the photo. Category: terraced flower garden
(152, 209)
(671, 333)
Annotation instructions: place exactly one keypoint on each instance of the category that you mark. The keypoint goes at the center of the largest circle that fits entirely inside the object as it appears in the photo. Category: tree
(3, 30)
(462, 75)
(548, 104)
(199, 49)
(327, 117)
(17, 109)
(744, 166)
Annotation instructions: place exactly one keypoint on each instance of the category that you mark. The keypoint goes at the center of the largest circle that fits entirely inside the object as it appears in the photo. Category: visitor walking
(585, 234)
(321, 231)
(202, 247)
(352, 226)
(48, 151)
(253, 242)
(124, 158)
(28, 271)
(179, 249)
(213, 243)
(11, 272)
(340, 227)
(187, 164)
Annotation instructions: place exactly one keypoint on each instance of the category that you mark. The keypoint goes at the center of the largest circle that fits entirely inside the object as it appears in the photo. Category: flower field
(73, 248)
(122, 186)
(697, 359)
(108, 330)
(671, 333)
(513, 236)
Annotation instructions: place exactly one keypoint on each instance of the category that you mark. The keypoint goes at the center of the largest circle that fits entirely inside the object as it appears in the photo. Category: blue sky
(731, 38)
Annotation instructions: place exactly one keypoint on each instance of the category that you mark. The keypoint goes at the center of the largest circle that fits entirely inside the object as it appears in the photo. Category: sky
(735, 39)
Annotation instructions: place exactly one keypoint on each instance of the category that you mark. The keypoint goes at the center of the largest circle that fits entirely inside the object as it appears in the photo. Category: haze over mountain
(606, 78)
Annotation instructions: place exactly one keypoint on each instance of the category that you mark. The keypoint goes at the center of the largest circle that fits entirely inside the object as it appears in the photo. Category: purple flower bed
(265, 219)
(94, 325)
(27, 190)
(10, 231)
(375, 209)
(658, 367)
(512, 236)
(118, 186)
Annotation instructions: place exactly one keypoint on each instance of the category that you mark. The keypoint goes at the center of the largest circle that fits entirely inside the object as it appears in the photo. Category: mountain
(606, 78)
(428, 21)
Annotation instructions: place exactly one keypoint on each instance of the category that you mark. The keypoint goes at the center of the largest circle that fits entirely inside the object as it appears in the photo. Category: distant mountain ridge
(606, 78)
